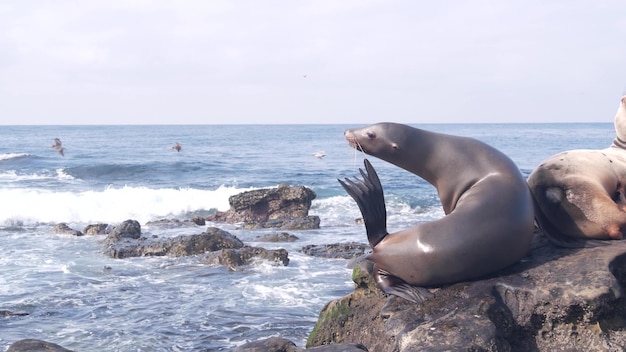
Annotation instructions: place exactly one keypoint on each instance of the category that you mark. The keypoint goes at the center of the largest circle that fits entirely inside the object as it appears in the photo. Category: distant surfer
(177, 147)
(58, 146)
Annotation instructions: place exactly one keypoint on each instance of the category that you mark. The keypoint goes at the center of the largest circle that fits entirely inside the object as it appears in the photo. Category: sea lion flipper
(393, 285)
(410, 293)
(368, 195)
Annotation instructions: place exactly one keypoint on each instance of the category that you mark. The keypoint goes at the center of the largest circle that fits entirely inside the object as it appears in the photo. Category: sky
(310, 61)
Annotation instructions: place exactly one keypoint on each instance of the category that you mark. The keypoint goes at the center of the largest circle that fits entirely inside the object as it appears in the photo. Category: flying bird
(58, 146)
(319, 154)
(177, 147)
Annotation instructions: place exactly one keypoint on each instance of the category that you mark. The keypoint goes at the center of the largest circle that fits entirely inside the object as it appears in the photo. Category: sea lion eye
(371, 135)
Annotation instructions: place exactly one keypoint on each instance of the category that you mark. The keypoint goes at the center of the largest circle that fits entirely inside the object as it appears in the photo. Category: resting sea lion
(489, 212)
(580, 194)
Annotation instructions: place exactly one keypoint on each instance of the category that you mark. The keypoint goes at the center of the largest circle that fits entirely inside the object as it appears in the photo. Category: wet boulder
(279, 344)
(212, 239)
(127, 229)
(284, 207)
(337, 250)
(96, 229)
(33, 345)
(277, 237)
(63, 228)
(236, 257)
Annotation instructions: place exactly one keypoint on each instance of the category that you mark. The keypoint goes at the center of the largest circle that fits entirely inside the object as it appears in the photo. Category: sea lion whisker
(354, 144)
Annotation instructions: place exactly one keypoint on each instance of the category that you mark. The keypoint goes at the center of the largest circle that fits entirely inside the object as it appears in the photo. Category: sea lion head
(381, 139)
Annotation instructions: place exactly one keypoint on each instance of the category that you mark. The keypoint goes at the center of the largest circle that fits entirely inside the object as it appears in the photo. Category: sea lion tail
(368, 195)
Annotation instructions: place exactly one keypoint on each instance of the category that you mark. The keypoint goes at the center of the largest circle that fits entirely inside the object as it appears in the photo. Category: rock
(304, 223)
(245, 255)
(279, 344)
(96, 229)
(166, 223)
(32, 345)
(127, 229)
(174, 223)
(339, 347)
(63, 228)
(556, 299)
(284, 207)
(198, 220)
(338, 250)
(277, 237)
(272, 344)
(8, 313)
(212, 239)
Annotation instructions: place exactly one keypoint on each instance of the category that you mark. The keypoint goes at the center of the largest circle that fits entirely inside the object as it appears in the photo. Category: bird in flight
(58, 146)
(177, 147)
(319, 154)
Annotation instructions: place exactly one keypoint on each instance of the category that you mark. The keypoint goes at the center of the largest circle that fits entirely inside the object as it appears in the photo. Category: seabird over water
(319, 154)
(177, 147)
(58, 146)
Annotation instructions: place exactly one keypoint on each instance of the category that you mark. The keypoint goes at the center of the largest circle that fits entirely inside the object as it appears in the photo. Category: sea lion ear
(395, 146)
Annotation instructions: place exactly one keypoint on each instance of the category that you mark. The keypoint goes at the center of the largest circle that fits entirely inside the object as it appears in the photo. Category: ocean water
(85, 301)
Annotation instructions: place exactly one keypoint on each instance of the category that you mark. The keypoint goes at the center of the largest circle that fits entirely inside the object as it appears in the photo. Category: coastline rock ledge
(555, 299)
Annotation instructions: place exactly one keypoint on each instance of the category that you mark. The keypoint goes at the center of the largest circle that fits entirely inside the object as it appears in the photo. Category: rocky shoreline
(556, 299)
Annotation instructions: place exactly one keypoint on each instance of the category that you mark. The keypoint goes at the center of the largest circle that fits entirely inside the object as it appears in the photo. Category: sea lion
(489, 211)
(580, 194)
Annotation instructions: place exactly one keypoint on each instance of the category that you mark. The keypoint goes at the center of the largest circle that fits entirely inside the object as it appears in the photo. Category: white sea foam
(110, 205)
(14, 176)
(7, 156)
(342, 210)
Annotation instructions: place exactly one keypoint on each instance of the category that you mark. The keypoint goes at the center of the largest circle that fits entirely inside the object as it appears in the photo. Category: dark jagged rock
(8, 313)
(556, 299)
(198, 220)
(279, 344)
(244, 256)
(212, 239)
(277, 237)
(63, 228)
(32, 345)
(304, 223)
(174, 223)
(337, 250)
(127, 229)
(284, 207)
(96, 229)
(166, 223)
(339, 347)
(272, 344)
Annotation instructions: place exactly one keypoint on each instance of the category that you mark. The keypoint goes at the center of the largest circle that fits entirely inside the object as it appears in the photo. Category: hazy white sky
(318, 61)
